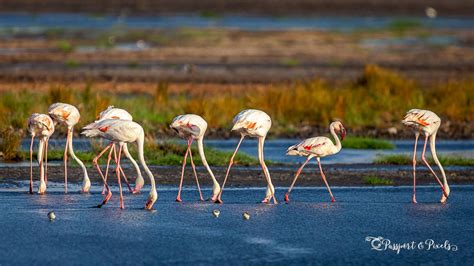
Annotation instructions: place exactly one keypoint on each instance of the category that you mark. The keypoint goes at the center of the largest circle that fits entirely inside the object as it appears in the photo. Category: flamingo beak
(343, 133)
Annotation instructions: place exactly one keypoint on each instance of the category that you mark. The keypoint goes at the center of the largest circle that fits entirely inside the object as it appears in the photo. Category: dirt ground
(252, 176)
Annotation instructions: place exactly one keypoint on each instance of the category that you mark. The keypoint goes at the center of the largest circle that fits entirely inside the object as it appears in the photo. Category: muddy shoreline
(338, 175)
(265, 7)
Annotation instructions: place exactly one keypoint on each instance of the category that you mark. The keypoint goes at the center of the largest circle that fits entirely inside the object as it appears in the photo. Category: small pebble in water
(246, 215)
(216, 213)
(51, 216)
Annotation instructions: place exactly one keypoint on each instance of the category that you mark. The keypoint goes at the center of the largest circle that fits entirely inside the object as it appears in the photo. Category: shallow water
(275, 149)
(308, 229)
(37, 23)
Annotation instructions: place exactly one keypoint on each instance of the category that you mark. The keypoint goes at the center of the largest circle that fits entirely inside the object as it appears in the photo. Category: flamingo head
(340, 129)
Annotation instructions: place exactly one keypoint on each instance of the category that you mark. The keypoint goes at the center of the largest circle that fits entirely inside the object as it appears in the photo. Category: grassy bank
(377, 100)
(405, 159)
(160, 154)
(367, 143)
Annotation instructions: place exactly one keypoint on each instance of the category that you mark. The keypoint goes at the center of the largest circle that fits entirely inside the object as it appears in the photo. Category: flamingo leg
(109, 192)
(190, 141)
(126, 180)
(178, 198)
(296, 177)
(65, 161)
(270, 188)
(324, 179)
(231, 162)
(414, 168)
(96, 164)
(117, 171)
(42, 185)
(31, 163)
(46, 162)
(431, 169)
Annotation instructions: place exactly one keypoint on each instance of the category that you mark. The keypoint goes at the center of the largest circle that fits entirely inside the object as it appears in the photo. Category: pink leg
(65, 162)
(117, 171)
(324, 179)
(96, 164)
(31, 164)
(414, 168)
(219, 200)
(109, 192)
(178, 198)
(126, 180)
(296, 177)
(190, 141)
(431, 169)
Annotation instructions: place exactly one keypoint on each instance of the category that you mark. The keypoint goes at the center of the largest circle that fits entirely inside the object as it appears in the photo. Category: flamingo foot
(287, 198)
(122, 206)
(218, 200)
(333, 199)
(414, 200)
(106, 199)
(178, 199)
(266, 200)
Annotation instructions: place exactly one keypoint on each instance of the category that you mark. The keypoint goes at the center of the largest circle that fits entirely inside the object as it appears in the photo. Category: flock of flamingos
(117, 126)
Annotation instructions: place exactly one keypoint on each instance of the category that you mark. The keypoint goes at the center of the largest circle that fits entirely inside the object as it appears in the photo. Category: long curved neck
(71, 151)
(129, 156)
(435, 158)
(140, 143)
(204, 161)
(336, 138)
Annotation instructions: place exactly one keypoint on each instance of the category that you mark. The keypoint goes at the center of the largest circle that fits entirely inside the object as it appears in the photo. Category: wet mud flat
(308, 230)
(338, 175)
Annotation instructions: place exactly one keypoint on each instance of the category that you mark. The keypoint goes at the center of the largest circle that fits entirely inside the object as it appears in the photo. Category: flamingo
(427, 123)
(193, 127)
(121, 131)
(68, 115)
(252, 123)
(317, 147)
(116, 113)
(42, 126)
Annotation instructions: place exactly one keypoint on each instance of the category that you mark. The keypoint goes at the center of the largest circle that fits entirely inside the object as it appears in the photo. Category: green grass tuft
(404, 159)
(377, 181)
(167, 153)
(367, 143)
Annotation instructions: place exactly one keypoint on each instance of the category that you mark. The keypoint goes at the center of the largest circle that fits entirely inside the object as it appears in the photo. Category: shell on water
(51, 216)
(246, 215)
(216, 213)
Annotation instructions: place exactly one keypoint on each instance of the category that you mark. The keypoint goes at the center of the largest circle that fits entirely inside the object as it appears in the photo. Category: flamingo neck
(435, 158)
(336, 138)
(140, 143)
(204, 161)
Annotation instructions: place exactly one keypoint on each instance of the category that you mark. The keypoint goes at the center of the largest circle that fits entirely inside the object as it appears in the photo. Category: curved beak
(343, 133)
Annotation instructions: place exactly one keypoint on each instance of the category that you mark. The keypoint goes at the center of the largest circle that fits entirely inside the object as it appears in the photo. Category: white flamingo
(317, 147)
(427, 123)
(116, 113)
(193, 127)
(252, 123)
(121, 132)
(68, 115)
(41, 126)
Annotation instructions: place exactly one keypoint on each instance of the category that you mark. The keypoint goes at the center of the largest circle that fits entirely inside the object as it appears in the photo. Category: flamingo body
(117, 113)
(253, 123)
(41, 126)
(123, 131)
(193, 127)
(317, 147)
(427, 123)
(68, 115)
